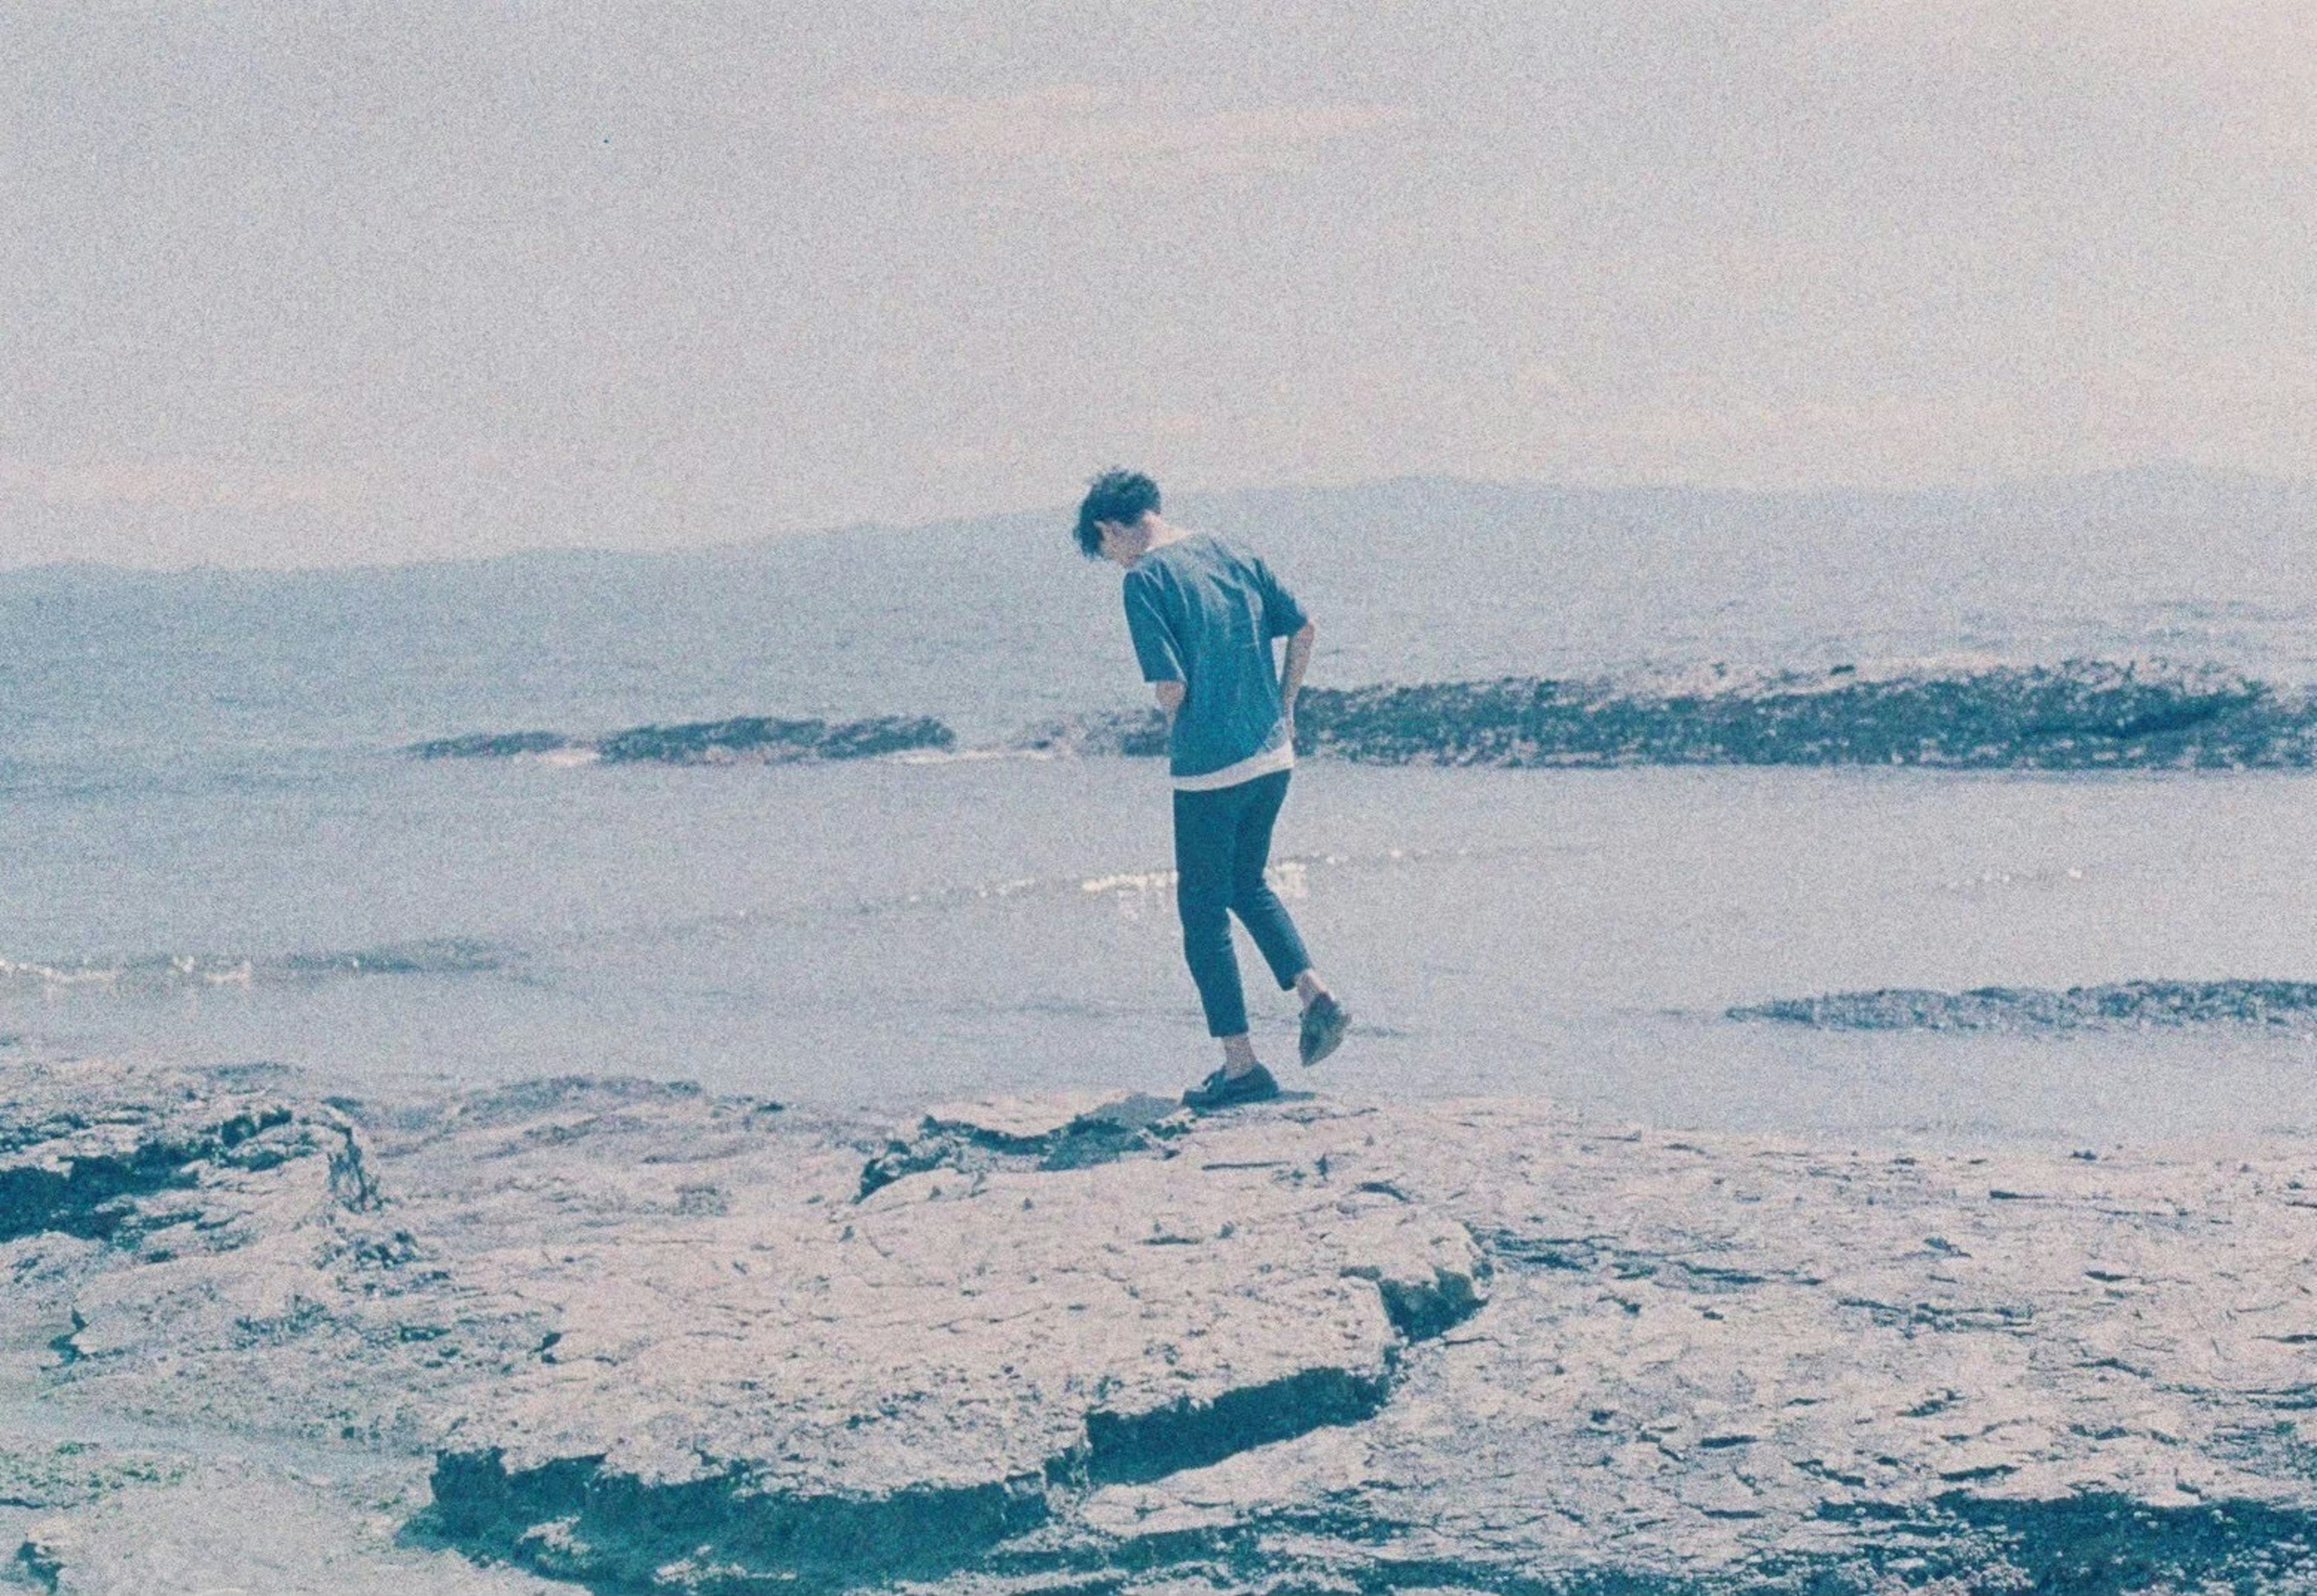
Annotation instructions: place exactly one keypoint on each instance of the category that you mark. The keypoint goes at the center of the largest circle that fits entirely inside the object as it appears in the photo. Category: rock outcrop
(2085, 714)
(645, 1339)
(824, 1394)
(2128, 1005)
(755, 739)
(79, 1158)
(2081, 715)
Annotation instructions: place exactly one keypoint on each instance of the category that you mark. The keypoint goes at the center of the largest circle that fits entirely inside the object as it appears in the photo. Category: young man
(1203, 613)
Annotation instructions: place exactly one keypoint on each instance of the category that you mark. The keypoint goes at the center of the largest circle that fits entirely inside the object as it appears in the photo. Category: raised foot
(1325, 1023)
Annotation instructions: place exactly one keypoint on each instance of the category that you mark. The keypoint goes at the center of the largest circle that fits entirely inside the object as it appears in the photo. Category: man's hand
(1290, 673)
(1170, 697)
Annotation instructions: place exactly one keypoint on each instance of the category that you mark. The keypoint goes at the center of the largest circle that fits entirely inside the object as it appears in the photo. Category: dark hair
(1116, 495)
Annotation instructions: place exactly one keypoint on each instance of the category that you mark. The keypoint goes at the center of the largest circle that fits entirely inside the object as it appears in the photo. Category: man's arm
(1154, 649)
(1290, 671)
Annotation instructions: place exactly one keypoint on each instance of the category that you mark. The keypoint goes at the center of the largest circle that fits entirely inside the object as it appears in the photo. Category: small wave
(174, 971)
(2132, 1005)
(1290, 877)
(972, 756)
(1131, 892)
(1135, 881)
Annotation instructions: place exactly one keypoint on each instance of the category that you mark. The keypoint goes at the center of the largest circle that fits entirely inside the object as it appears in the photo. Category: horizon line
(2158, 467)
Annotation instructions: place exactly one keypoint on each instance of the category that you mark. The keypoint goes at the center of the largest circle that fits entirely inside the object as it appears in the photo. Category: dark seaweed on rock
(762, 737)
(746, 739)
(491, 745)
(1136, 735)
(80, 1169)
(707, 742)
(2080, 715)
(2125, 1005)
(885, 734)
(616, 1532)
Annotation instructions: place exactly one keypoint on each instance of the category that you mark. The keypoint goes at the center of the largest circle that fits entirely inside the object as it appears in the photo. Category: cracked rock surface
(630, 1336)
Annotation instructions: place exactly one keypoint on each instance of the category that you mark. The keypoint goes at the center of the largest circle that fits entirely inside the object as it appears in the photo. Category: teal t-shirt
(1204, 611)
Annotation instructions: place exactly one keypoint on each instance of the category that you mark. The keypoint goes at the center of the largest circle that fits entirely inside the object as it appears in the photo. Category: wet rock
(41, 1562)
(2080, 715)
(1135, 734)
(2285, 1004)
(744, 740)
(494, 745)
(78, 1159)
(759, 738)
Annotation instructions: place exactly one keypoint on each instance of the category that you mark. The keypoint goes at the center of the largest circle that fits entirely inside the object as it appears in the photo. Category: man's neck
(1161, 534)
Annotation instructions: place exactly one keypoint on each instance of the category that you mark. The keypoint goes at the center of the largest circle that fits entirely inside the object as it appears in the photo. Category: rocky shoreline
(628, 1336)
(2080, 715)
(745, 739)
(2123, 1005)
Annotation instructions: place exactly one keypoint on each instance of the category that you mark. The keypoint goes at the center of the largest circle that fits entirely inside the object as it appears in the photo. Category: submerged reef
(2081, 715)
(2131, 1005)
(744, 740)
(645, 1339)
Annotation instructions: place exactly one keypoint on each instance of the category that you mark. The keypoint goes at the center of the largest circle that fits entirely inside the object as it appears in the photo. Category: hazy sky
(290, 285)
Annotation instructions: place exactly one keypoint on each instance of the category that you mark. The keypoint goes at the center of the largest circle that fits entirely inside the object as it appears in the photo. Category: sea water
(900, 930)
(216, 849)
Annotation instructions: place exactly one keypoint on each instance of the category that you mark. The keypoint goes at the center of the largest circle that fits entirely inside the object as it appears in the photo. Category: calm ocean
(218, 850)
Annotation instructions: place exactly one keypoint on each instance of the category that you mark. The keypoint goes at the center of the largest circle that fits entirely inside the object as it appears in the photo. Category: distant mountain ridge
(2172, 493)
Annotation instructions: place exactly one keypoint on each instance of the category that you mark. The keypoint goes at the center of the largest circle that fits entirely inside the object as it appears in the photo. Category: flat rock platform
(626, 1336)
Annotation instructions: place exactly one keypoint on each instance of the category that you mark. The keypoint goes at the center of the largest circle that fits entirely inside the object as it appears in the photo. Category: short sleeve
(1282, 615)
(1155, 647)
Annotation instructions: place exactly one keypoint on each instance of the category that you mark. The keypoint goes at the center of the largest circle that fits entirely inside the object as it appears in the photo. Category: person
(1203, 614)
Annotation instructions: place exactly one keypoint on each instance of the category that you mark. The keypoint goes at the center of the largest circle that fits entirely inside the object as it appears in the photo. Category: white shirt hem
(1282, 757)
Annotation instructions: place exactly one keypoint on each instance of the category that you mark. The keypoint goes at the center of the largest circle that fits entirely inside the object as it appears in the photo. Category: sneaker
(1219, 1090)
(1325, 1021)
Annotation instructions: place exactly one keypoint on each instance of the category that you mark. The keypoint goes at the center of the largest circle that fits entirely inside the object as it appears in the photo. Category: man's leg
(1204, 837)
(1258, 906)
(1326, 1021)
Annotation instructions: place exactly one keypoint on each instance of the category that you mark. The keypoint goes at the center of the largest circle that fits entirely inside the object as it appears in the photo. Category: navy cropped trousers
(1222, 841)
